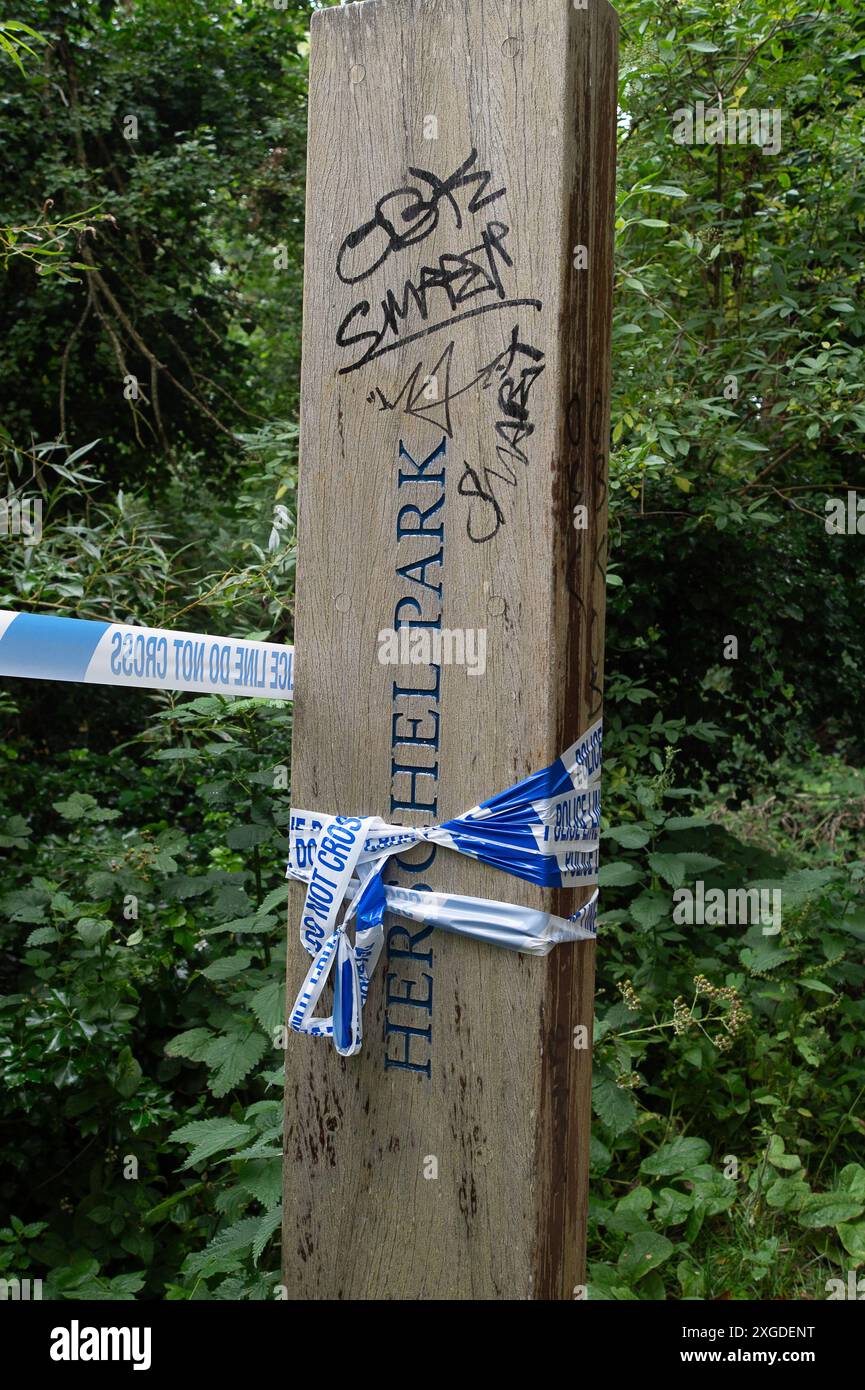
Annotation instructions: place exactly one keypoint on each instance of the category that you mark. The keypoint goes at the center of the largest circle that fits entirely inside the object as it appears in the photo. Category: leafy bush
(143, 837)
(148, 901)
(726, 1069)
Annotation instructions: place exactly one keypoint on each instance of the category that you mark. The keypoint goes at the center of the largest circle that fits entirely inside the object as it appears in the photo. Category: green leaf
(82, 806)
(851, 1180)
(694, 1223)
(802, 884)
(618, 874)
(787, 1194)
(224, 1250)
(193, 1044)
(613, 1105)
(830, 1209)
(852, 1237)
(626, 1223)
(254, 923)
(672, 1207)
(716, 1192)
(763, 957)
(228, 966)
(605, 1285)
(243, 1054)
(268, 1005)
(260, 1149)
(92, 930)
(42, 936)
(600, 1157)
(247, 836)
(127, 1074)
(267, 1226)
(853, 923)
(638, 1199)
(676, 868)
(161, 1210)
(628, 836)
(209, 1137)
(14, 833)
(807, 1048)
(650, 908)
(644, 1252)
(24, 905)
(691, 1280)
(751, 445)
(778, 1158)
(263, 1179)
(678, 1155)
(279, 895)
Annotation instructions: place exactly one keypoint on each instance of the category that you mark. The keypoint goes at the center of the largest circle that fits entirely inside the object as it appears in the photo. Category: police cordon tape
(544, 829)
(41, 647)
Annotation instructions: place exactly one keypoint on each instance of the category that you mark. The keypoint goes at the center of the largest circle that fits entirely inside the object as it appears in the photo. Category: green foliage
(140, 1044)
(726, 1087)
(738, 372)
(143, 836)
(182, 124)
(745, 1032)
(14, 38)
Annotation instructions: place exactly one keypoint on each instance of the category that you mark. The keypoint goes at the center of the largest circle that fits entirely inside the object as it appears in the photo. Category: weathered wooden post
(453, 481)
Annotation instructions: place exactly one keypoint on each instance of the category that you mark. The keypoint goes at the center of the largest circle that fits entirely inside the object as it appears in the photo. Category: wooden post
(454, 424)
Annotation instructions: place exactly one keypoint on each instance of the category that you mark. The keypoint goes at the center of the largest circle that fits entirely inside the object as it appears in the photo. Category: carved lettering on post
(450, 614)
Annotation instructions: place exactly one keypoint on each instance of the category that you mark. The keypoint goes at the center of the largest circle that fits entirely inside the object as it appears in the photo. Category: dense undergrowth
(142, 836)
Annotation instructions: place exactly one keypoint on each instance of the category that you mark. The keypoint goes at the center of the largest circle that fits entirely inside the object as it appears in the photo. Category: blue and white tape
(96, 653)
(545, 829)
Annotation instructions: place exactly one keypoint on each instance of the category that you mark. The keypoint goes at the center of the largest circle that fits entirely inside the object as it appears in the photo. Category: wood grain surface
(455, 403)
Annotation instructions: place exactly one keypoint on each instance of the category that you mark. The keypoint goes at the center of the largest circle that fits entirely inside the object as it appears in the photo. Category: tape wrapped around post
(544, 829)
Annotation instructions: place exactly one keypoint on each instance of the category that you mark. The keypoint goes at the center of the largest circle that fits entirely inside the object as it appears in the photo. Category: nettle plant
(143, 1003)
(741, 1031)
(236, 1005)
